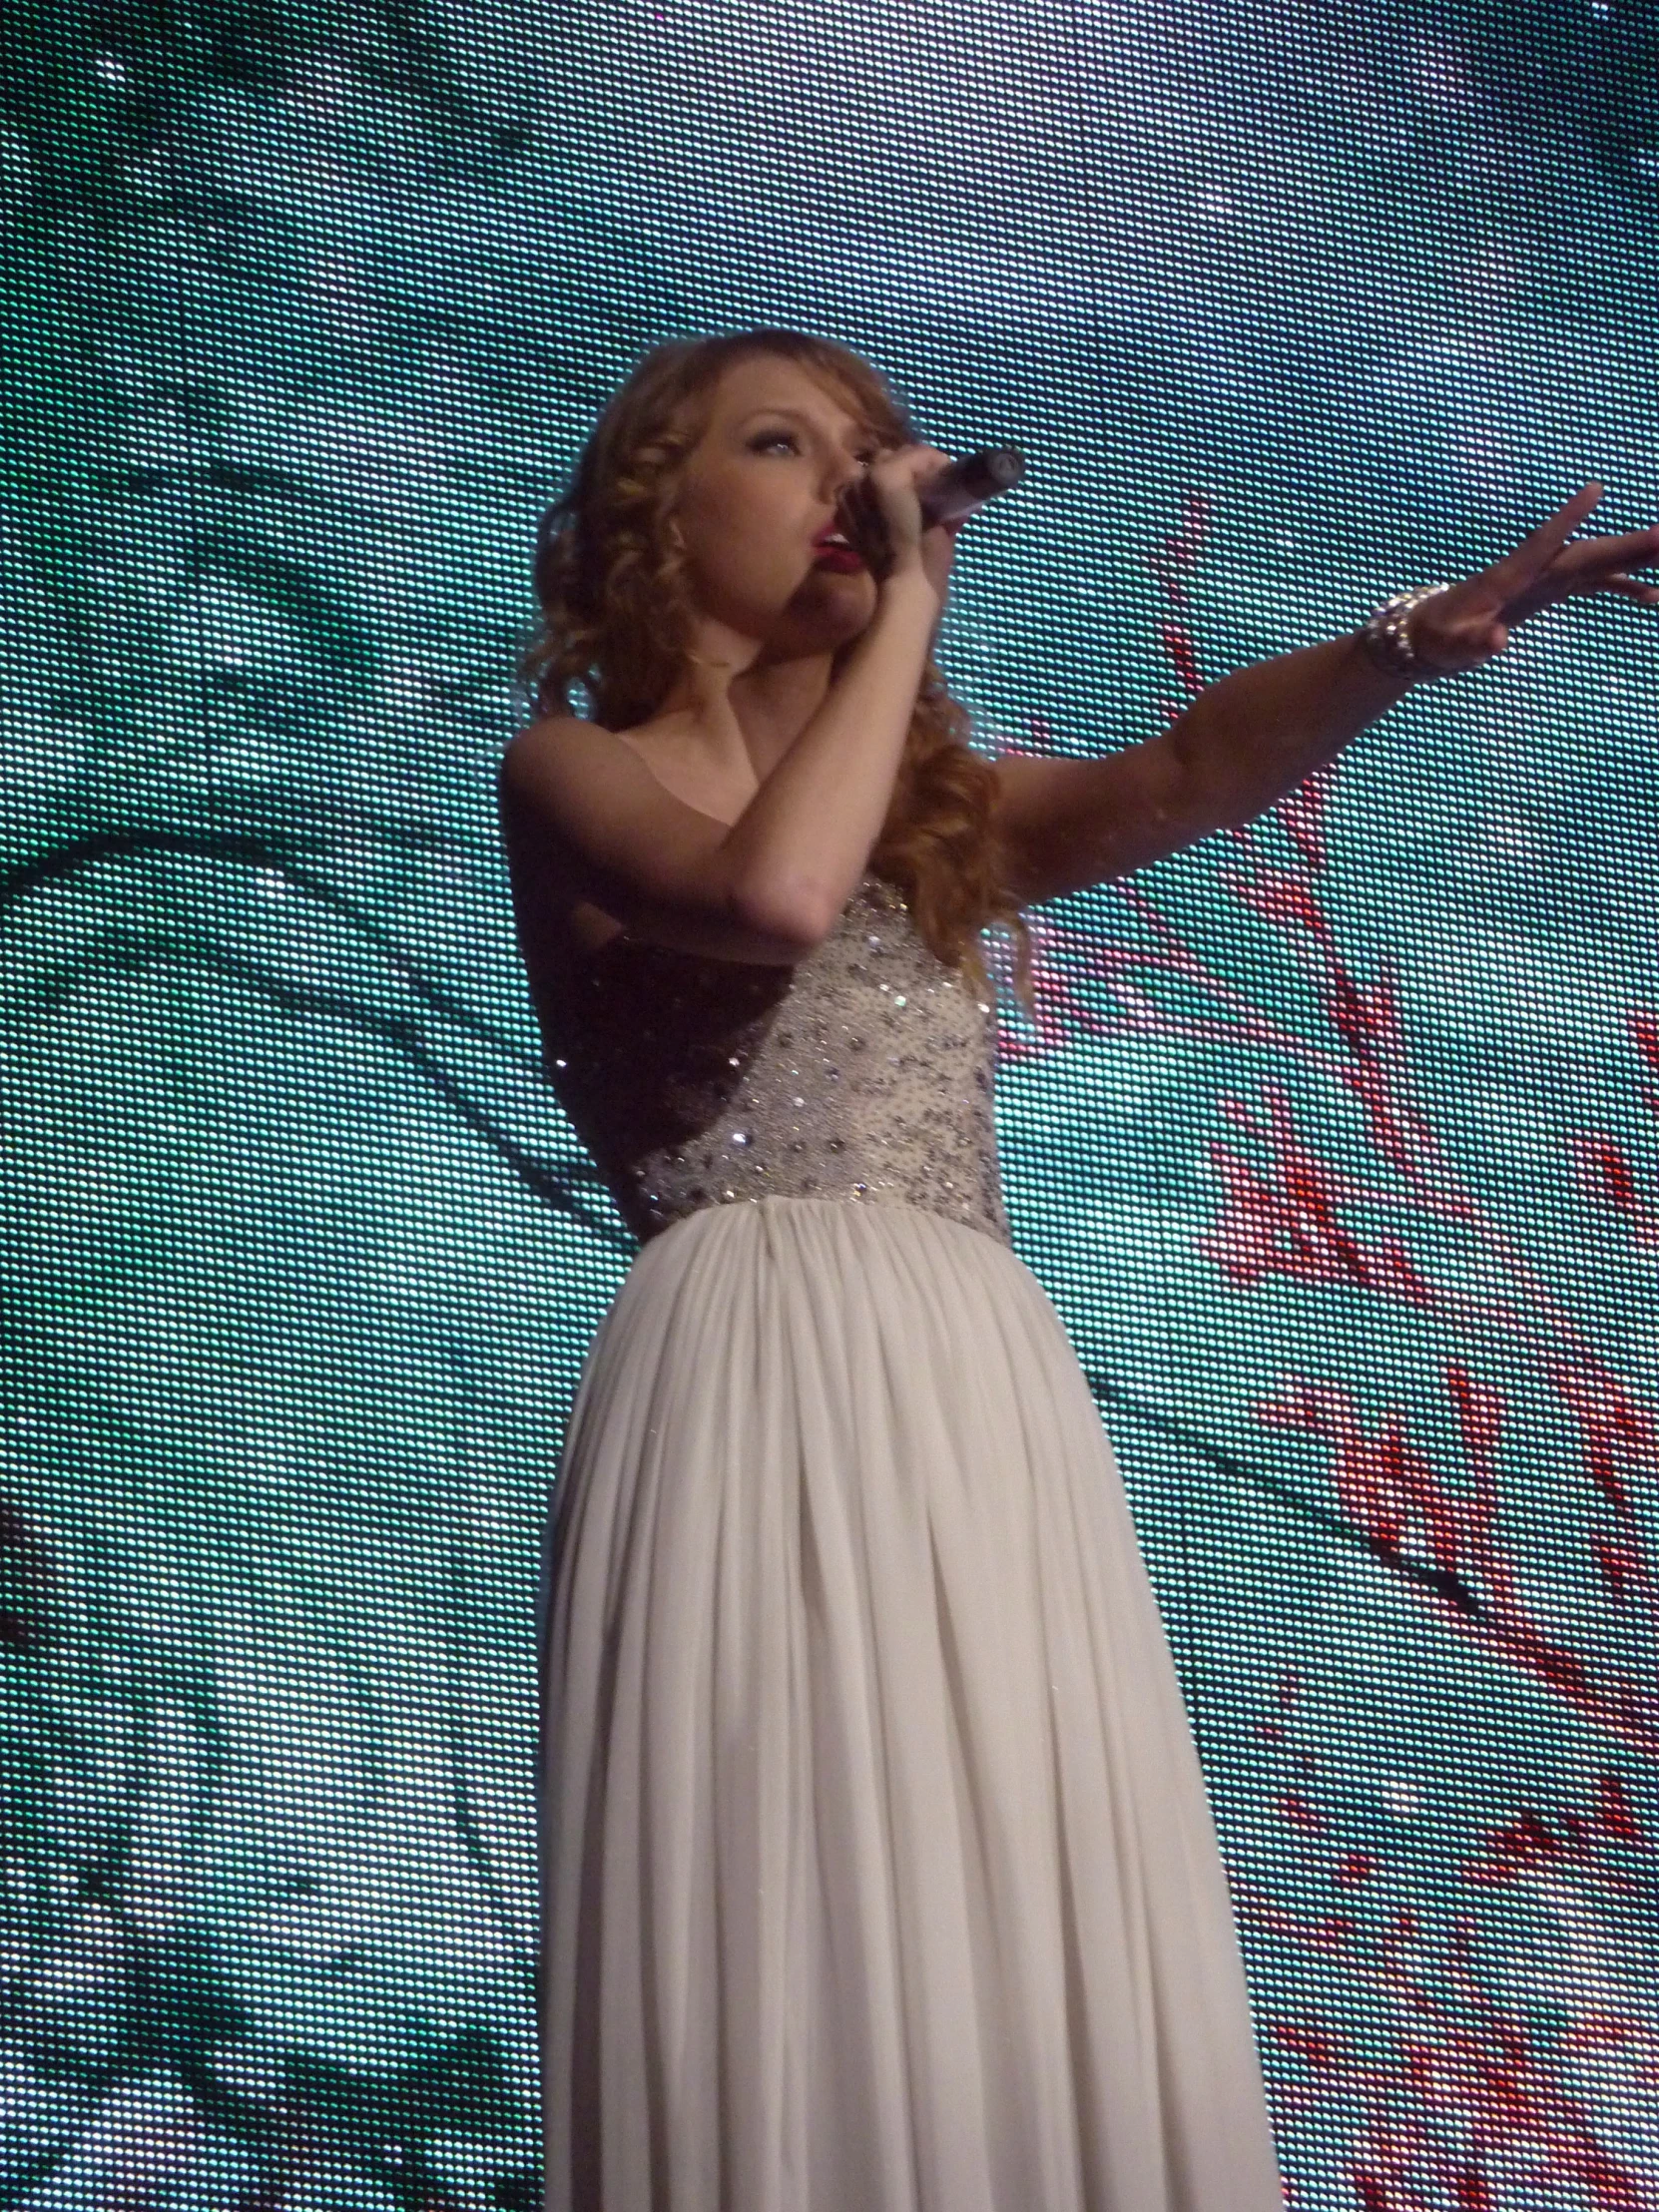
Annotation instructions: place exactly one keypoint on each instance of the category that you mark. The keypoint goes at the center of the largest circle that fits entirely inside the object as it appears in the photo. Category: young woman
(878, 1870)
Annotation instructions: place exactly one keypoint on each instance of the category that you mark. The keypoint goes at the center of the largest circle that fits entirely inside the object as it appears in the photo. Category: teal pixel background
(307, 311)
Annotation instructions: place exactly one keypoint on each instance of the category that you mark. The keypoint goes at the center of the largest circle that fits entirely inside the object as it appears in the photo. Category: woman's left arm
(1252, 735)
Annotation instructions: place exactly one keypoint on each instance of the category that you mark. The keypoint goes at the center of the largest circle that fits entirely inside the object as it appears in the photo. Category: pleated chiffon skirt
(878, 1873)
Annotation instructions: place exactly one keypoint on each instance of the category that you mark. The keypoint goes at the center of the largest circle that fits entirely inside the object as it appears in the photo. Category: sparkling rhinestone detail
(862, 1072)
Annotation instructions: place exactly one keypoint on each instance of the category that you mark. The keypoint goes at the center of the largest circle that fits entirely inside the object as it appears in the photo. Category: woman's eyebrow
(794, 415)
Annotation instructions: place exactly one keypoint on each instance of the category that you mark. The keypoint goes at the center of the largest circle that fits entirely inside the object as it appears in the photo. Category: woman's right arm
(769, 886)
(801, 844)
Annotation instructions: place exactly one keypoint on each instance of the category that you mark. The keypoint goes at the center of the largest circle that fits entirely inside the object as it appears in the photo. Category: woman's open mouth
(838, 554)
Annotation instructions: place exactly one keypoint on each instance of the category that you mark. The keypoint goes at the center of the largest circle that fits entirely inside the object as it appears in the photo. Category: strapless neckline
(864, 1071)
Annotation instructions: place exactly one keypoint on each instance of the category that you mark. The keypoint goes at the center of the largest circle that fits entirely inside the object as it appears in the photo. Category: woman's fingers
(889, 488)
(865, 524)
(887, 493)
(1471, 622)
(893, 481)
(1633, 587)
(1635, 549)
(1516, 570)
(1582, 569)
(1591, 560)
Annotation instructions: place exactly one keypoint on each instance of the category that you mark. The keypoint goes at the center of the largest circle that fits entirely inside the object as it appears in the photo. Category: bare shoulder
(540, 765)
(554, 917)
(553, 749)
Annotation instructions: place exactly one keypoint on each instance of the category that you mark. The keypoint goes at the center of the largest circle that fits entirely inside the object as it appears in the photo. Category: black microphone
(966, 484)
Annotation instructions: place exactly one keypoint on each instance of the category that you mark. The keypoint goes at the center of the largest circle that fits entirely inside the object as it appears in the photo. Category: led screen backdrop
(1335, 1145)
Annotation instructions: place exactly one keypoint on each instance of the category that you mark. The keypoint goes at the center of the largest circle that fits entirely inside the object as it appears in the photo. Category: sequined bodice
(863, 1072)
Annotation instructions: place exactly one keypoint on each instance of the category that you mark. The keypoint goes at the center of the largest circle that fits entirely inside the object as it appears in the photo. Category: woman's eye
(771, 438)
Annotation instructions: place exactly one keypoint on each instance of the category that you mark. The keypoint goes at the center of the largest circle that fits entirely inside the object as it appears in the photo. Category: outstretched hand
(1470, 622)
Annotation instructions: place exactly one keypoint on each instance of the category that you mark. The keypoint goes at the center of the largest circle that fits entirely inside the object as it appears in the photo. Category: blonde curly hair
(617, 614)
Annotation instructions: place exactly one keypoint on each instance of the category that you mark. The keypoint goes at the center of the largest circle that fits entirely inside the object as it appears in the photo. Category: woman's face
(758, 488)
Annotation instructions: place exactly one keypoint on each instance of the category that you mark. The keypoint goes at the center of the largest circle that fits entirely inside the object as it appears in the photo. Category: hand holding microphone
(905, 512)
(962, 487)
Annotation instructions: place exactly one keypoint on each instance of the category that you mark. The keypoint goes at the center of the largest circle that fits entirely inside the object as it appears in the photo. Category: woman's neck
(762, 708)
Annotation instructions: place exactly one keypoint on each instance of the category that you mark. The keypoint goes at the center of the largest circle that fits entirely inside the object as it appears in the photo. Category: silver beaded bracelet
(1387, 634)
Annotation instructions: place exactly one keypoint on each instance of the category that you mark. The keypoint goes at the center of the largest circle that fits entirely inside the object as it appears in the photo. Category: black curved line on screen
(553, 1183)
(549, 1180)
(250, 849)
(1439, 1580)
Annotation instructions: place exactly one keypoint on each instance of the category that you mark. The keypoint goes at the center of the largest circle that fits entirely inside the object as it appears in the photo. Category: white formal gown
(878, 1873)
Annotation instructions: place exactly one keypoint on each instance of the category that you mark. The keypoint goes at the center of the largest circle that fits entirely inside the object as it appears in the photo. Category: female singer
(878, 1874)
